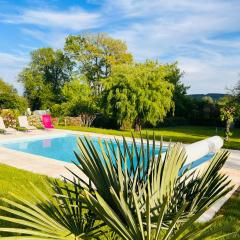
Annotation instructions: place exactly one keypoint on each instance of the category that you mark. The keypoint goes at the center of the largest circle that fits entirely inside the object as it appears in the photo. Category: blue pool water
(62, 148)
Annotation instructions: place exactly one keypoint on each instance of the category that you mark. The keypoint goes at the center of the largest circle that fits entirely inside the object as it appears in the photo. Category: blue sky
(202, 35)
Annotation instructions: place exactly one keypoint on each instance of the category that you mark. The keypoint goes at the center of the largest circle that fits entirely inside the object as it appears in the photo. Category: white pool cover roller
(200, 149)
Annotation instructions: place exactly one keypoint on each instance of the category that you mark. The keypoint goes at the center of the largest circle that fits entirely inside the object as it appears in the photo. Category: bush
(126, 125)
(103, 121)
(35, 120)
(2, 131)
(21, 129)
(57, 110)
(173, 121)
(55, 121)
(9, 98)
(10, 117)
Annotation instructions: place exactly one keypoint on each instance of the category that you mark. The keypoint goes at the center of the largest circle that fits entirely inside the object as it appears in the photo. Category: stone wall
(35, 120)
(84, 120)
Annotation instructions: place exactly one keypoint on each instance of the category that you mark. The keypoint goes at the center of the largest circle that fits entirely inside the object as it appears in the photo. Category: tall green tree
(45, 76)
(138, 93)
(95, 55)
(78, 98)
(9, 98)
(228, 111)
(174, 75)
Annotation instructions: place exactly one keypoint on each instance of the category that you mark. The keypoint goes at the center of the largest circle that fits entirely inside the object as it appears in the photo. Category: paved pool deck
(54, 168)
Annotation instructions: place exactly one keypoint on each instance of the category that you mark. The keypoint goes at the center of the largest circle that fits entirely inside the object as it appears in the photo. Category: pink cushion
(47, 121)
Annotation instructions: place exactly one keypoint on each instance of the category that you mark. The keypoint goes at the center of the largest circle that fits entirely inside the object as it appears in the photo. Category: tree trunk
(227, 131)
(137, 125)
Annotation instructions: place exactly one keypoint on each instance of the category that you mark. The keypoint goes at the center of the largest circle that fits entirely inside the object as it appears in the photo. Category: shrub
(55, 121)
(2, 131)
(57, 110)
(22, 129)
(173, 121)
(126, 125)
(36, 121)
(10, 117)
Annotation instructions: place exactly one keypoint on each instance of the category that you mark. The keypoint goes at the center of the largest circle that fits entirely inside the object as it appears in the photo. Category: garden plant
(131, 193)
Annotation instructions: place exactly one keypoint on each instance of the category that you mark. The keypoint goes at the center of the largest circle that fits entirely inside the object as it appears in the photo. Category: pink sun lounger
(47, 121)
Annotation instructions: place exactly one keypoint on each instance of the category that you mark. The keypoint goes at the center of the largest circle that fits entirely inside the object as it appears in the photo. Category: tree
(138, 93)
(95, 55)
(173, 75)
(9, 98)
(208, 108)
(228, 112)
(45, 76)
(77, 98)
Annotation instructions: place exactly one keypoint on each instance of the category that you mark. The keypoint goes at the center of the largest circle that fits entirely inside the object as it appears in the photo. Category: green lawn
(185, 134)
(12, 178)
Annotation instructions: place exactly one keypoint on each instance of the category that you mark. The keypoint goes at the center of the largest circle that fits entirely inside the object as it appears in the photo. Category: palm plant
(141, 196)
(52, 214)
(137, 193)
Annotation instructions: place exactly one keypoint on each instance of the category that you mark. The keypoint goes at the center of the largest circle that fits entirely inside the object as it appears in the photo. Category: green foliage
(10, 117)
(138, 93)
(47, 216)
(2, 131)
(93, 59)
(9, 99)
(95, 55)
(77, 99)
(57, 110)
(228, 112)
(36, 121)
(146, 199)
(173, 75)
(199, 111)
(45, 76)
(21, 129)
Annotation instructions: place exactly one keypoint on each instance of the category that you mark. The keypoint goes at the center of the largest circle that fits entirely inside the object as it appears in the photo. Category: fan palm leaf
(130, 185)
(134, 188)
(47, 215)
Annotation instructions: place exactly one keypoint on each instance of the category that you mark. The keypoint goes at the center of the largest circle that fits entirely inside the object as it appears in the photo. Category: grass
(227, 219)
(185, 134)
(12, 178)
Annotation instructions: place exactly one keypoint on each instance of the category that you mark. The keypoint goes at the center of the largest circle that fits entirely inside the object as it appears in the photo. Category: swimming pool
(62, 147)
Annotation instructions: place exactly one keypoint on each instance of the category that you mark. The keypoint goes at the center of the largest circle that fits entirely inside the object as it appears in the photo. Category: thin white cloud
(188, 31)
(185, 31)
(54, 39)
(7, 59)
(75, 19)
(10, 66)
(206, 75)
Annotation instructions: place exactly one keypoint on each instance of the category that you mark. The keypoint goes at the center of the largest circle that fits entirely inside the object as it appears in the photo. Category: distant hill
(214, 96)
